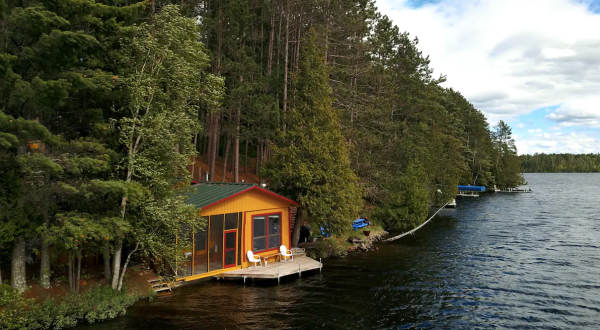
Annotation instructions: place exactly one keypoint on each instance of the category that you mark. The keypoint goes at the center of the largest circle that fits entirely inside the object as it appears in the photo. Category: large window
(266, 232)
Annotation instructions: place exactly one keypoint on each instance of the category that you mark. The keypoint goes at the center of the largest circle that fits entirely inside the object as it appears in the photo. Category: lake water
(501, 261)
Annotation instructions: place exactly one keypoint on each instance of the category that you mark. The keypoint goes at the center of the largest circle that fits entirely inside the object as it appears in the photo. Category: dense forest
(104, 103)
(560, 163)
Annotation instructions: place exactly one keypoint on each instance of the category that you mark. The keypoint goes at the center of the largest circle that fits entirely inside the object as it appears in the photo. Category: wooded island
(104, 106)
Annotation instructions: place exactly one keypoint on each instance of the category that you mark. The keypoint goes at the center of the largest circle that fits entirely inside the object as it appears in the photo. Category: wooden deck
(274, 269)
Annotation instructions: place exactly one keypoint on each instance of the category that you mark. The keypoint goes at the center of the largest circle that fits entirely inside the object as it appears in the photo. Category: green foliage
(560, 163)
(96, 305)
(310, 162)
(330, 247)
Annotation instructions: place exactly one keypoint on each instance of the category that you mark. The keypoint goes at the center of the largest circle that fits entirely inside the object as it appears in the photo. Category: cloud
(521, 125)
(582, 112)
(537, 130)
(559, 143)
(510, 57)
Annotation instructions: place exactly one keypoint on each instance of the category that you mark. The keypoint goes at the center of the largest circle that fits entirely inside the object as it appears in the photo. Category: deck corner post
(278, 277)
(244, 280)
(299, 271)
(320, 265)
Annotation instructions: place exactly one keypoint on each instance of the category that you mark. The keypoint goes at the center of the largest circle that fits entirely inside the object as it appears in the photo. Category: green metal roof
(204, 194)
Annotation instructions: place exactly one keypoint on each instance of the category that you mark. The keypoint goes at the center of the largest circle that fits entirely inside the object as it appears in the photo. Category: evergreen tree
(310, 159)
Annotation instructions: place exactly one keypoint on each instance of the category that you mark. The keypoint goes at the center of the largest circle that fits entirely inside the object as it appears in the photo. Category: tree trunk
(246, 157)
(137, 245)
(17, 277)
(78, 281)
(297, 224)
(106, 255)
(44, 264)
(327, 31)
(236, 142)
(297, 57)
(285, 64)
(228, 143)
(117, 265)
(271, 39)
(214, 147)
(44, 260)
(257, 158)
(71, 271)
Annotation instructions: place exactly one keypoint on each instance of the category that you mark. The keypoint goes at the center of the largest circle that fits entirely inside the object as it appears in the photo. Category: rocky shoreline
(339, 247)
(365, 244)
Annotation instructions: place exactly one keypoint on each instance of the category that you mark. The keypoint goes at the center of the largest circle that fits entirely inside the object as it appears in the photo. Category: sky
(533, 63)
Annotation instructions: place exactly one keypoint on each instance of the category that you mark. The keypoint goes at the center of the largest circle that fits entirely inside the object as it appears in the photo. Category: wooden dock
(274, 270)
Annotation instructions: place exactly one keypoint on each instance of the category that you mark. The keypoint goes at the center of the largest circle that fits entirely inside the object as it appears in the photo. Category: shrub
(330, 247)
(95, 305)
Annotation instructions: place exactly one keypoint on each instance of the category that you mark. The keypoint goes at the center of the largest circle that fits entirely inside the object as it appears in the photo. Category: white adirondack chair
(285, 252)
(252, 258)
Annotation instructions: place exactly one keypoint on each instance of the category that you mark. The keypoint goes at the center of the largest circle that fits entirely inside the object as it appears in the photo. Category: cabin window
(266, 232)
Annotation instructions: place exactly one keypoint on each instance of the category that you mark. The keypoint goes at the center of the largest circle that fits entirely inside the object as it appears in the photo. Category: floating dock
(274, 270)
(513, 190)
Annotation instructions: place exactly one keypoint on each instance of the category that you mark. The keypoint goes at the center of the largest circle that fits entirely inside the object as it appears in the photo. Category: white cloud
(580, 112)
(557, 53)
(508, 57)
(521, 125)
(537, 130)
(559, 143)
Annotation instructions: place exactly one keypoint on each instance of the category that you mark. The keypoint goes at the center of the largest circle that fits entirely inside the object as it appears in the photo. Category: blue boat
(470, 191)
(471, 188)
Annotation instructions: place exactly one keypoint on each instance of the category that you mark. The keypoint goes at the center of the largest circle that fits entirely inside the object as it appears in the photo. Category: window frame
(266, 220)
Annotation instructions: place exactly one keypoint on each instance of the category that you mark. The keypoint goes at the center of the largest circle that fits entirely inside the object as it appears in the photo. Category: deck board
(275, 269)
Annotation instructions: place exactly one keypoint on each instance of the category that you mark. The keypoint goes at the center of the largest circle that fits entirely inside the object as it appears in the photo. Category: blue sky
(533, 63)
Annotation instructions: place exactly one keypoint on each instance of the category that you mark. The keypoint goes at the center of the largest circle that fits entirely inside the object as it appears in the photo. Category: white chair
(285, 252)
(252, 258)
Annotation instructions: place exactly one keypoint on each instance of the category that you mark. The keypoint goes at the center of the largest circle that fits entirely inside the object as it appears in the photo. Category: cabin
(241, 217)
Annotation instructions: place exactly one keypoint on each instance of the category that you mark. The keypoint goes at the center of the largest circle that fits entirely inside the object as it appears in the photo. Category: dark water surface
(502, 261)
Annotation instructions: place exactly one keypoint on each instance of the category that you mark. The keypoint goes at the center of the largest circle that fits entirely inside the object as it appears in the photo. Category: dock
(274, 270)
(513, 190)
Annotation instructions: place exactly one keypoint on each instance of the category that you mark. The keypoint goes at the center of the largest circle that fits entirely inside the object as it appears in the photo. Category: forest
(104, 105)
(560, 163)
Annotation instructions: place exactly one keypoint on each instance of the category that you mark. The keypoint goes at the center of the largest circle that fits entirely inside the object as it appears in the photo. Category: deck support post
(299, 271)
(320, 265)
(278, 278)
(244, 280)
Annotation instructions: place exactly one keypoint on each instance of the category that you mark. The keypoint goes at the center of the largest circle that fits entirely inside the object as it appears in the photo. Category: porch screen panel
(240, 248)
(274, 231)
(200, 253)
(215, 243)
(231, 221)
(259, 233)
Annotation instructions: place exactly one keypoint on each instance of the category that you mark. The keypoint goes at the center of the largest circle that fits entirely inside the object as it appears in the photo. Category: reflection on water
(522, 261)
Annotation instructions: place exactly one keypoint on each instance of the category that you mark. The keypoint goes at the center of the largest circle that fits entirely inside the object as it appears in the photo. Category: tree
(310, 159)
(166, 83)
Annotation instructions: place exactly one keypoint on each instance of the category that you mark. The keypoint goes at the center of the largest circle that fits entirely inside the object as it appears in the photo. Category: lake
(500, 261)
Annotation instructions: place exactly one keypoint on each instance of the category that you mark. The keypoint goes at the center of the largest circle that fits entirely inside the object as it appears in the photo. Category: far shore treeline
(104, 103)
(560, 163)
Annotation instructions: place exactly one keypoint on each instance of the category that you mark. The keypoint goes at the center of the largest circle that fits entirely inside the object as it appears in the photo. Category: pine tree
(310, 159)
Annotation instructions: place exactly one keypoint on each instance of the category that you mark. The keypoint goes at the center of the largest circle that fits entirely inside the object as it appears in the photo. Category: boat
(470, 191)
(451, 204)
